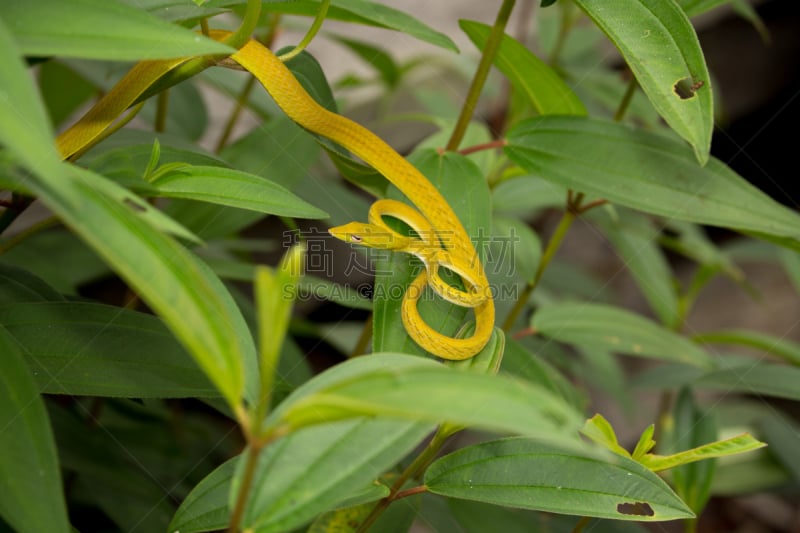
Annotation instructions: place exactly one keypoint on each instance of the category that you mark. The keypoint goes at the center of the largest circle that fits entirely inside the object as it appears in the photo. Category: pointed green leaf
(302, 475)
(659, 44)
(362, 12)
(645, 443)
(616, 330)
(102, 350)
(100, 29)
(721, 448)
(30, 479)
(523, 473)
(636, 240)
(763, 342)
(544, 89)
(646, 171)
(233, 188)
(414, 388)
(318, 469)
(376, 57)
(18, 285)
(768, 379)
(599, 430)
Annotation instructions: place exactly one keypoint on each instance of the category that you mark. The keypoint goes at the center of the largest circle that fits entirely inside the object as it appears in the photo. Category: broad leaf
(764, 343)
(100, 29)
(233, 188)
(544, 89)
(646, 171)
(659, 44)
(302, 475)
(768, 379)
(30, 479)
(88, 349)
(518, 472)
(361, 12)
(414, 388)
(636, 241)
(616, 330)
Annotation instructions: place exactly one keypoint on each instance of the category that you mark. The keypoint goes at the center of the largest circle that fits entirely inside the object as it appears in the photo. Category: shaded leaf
(646, 171)
(523, 473)
(768, 379)
(82, 348)
(30, 479)
(617, 330)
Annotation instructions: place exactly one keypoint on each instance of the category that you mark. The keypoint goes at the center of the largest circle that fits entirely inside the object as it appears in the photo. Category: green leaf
(463, 186)
(780, 381)
(515, 249)
(543, 87)
(26, 131)
(781, 432)
(363, 12)
(206, 506)
(646, 171)
(233, 188)
(414, 388)
(183, 291)
(764, 343)
(599, 430)
(53, 77)
(617, 330)
(303, 475)
(376, 57)
(100, 29)
(525, 195)
(659, 44)
(18, 285)
(689, 426)
(318, 469)
(30, 479)
(102, 350)
(523, 473)
(739, 444)
(532, 367)
(636, 240)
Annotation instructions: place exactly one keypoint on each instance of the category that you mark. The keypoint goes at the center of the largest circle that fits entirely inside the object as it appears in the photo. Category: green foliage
(156, 375)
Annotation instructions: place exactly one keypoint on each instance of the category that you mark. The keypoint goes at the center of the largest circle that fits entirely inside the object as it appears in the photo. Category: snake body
(442, 242)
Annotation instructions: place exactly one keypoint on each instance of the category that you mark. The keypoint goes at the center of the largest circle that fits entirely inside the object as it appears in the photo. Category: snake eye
(355, 238)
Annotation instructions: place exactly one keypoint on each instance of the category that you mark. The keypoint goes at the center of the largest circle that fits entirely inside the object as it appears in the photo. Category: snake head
(369, 235)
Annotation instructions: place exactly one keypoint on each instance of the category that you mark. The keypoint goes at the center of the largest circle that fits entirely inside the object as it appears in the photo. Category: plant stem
(419, 464)
(552, 246)
(310, 34)
(581, 525)
(498, 143)
(241, 102)
(248, 25)
(363, 339)
(244, 489)
(162, 106)
(485, 64)
(626, 99)
(410, 492)
(28, 232)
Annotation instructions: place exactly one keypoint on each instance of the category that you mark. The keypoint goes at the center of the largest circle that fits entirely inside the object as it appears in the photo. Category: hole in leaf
(635, 509)
(686, 88)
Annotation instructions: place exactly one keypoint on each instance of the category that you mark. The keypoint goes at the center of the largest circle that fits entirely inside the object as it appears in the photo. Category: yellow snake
(441, 239)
